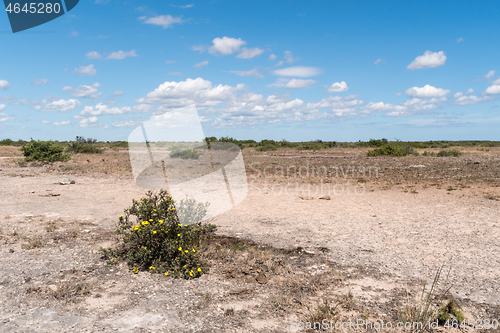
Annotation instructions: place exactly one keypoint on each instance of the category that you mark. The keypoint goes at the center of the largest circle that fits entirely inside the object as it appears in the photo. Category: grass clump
(321, 318)
(43, 151)
(451, 311)
(154, 240)
(84, 146)
(451, 152)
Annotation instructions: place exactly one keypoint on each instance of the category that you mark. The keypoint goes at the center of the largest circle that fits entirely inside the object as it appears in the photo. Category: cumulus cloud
(338, 87)
(62, 123)
(249, 53)
(428, 59)
(378, 61)
(201, 64)
(472, 99)
(122, 54)
(88, 122)
(4, 84)
(4, 117)
(289, 57)
(253, 72)
(166, 21)
(299, 83)
(340, 106)
(299, 71)
(45, 122)
(199, 48)
(60, 105)
(470, 90)
(93, 55)
(84, 91)
(427, 91)
(39, 82)
(493, 90)
(272, 57)
(85, 70)
(407, 108)
(490, 75)
(280, 63)
(2, 107)
(117, 93)
(14, 100)
(183, 93)
(226, 45)
(102, 109)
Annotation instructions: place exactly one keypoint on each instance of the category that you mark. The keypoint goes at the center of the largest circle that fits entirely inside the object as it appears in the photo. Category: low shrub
(451, 152)
(84, 146)
(392, 150)
(153, 238)
(43, 151)
(184, 153)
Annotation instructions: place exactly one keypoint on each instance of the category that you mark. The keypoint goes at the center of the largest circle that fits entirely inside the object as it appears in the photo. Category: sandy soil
(414, 216)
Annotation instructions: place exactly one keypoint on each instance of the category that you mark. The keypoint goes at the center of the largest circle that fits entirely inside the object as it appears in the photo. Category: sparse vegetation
(84, 146)
(451, 152)
(184, 153)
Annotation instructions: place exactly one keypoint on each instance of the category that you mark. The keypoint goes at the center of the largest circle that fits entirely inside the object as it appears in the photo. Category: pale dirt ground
(379, 237)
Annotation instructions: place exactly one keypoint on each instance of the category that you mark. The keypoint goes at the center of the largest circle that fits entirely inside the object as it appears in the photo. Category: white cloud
(165, 21)
(122, 55)
(14, 100)
(60, 105)
(93, 55)
(272, 57)
(300, 71)
(378, 61)
(201, 64)
(4, 117)
(289, 57)
(4, 84)
(62, 123)
(340, 106)
(199, 48)
(280, 63)
(428, 59)
(249, 53)
(85, 70)
(470, 90)
(460, 40)
(74, 34)
(338, 87)
(117, 93)
(299, 83)
(226, 45)
(84, 91)
(253, 72)
(490, 75)
(458, 94)
(407, 108)
(183, 93)
(88, 122)
(493, 90)
(40, 82)
(170, 62)
(469, 100)
(102, 109)
(398, 94)
(45, 122)
(427, 91)
(497, 81)
(2, 107)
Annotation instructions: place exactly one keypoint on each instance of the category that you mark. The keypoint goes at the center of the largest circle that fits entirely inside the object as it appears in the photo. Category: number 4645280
(34, 8)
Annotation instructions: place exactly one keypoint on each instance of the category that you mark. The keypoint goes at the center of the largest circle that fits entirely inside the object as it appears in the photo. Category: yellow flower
(178, 235)
(154, 232)
(186, 251)
(191, 273)
(199, 269)
(138, 229)
(135, 271)
(121, 215)
(179, 224)
(150, 220)
(180, 248)
(161, 229)
(154, 209)
(152, 267)
(166, 231)
(144, 222)
(194, 229)
(184, 266)
(161, 221)
(185, 225)
(166, 273)
(194, 250)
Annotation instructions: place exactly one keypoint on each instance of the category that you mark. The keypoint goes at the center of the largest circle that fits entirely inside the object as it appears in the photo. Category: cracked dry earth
(285, 253)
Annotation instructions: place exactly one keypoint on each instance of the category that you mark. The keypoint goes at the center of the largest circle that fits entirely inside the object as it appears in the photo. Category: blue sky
(296, 70)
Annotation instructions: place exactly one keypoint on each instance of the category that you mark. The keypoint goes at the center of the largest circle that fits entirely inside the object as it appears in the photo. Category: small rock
(66, 181)
(11, 251)
(326, 197)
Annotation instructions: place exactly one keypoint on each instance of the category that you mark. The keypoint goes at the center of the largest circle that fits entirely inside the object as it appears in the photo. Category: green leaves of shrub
(154, 240)
(84, 146)
(43, 151)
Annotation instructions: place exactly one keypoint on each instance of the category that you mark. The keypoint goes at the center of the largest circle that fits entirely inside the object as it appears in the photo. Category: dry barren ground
(331, 226)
